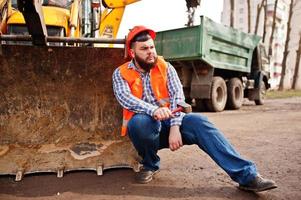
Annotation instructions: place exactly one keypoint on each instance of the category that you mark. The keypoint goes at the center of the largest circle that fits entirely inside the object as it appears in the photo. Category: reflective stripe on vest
(158, 79)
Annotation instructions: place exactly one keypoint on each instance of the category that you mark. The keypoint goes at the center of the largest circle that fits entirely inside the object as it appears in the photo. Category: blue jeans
(149, 136)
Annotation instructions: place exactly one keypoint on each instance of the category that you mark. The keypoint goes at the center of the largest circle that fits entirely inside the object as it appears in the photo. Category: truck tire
(218, 95)
(235, 93)
(262, 93)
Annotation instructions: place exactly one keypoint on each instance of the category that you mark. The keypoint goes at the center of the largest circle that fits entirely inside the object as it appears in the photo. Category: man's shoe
(259, 184)
(145, 176)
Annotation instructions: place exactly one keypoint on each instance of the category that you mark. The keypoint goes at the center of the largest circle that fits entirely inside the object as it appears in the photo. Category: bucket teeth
(60, 173)
(99, 170)
(19, 175)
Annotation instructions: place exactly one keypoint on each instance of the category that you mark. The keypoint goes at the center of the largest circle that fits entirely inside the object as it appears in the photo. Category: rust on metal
(58, 112)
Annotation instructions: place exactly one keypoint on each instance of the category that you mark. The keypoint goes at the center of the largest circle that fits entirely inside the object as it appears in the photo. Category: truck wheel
(218, 99)
(235, 93)
(262, 93)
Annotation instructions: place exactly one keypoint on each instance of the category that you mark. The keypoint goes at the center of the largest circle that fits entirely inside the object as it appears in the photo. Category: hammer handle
(178, 109)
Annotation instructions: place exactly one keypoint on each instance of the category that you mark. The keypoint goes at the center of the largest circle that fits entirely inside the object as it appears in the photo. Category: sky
(162, 15)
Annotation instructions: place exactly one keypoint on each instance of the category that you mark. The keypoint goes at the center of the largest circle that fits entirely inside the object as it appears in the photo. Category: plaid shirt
(148, 104)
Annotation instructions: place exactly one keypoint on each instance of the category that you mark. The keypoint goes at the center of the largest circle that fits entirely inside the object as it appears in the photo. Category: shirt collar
(132, 65)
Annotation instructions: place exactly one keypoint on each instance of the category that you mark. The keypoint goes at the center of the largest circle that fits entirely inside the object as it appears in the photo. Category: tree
(265, 20)
(273, 27)
(296, 79)
(191, 6)
(259, 9)
(286, 51)
(232, 13)
(249, 16)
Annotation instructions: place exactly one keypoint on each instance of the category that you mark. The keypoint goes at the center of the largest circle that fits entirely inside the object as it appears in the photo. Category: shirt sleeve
(176, 94)
(126, 99)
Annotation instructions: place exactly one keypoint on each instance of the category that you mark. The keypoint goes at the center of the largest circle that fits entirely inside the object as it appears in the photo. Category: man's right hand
(162, 113)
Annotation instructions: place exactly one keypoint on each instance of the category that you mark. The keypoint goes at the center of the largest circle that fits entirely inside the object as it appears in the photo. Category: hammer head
(185, 107)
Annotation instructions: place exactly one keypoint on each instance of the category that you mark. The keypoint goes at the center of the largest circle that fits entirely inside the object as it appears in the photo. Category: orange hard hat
(135, 31)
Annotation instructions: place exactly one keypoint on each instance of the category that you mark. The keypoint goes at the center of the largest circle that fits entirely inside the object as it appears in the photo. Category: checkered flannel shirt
(148, 104)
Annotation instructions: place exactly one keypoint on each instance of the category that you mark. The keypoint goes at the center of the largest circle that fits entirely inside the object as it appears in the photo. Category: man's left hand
(175, 138)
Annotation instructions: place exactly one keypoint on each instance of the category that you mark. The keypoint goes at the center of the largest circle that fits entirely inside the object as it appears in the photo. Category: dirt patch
(269, 135)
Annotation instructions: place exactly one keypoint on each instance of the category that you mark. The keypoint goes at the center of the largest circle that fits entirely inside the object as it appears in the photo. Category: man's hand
(175, 138)
(163, 113)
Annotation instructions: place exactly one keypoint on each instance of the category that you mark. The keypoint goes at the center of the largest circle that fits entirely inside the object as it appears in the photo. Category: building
(294, 43)
(241, 22)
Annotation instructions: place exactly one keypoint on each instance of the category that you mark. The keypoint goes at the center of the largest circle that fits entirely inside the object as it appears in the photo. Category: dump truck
(218, 66)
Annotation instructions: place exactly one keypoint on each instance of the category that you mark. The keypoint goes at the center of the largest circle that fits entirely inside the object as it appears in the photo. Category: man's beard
(145, 65)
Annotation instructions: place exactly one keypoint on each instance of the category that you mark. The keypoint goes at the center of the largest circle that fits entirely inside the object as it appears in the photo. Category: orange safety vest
(158, 80)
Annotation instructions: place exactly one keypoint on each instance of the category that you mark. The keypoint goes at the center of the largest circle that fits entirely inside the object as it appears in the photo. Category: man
(148, 88)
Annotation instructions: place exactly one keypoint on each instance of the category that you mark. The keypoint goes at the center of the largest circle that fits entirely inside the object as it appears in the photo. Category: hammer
(182, 107)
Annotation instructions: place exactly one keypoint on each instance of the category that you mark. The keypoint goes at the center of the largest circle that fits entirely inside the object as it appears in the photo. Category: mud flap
(58, 112)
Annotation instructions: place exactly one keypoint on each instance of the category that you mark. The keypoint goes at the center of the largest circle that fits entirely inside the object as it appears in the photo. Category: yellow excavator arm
(111, 17)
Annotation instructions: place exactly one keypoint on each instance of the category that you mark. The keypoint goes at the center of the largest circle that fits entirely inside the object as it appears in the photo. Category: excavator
(57, 108)
(62, 18)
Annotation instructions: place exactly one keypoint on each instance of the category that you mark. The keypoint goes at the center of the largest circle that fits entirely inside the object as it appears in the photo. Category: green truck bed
(219, 46)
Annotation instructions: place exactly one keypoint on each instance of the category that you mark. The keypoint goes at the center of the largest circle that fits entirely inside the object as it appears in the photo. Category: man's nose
(150, 50)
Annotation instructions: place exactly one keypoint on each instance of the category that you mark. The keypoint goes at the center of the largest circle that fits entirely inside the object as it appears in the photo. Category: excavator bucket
(58, 112)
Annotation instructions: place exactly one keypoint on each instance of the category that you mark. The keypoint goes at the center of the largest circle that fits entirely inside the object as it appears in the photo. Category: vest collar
(132, 65)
